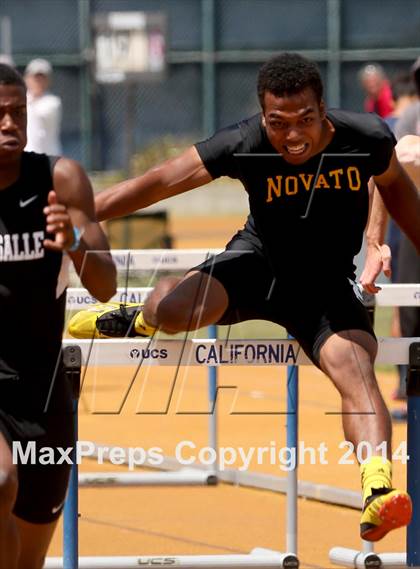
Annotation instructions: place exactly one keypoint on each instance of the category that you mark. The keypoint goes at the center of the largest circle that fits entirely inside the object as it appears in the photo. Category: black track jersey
(32, 317)
(309, 216)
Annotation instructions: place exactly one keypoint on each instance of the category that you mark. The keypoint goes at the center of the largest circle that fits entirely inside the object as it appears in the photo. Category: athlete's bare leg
(9, 538)
(179, 304)
(34, 542)
(347, 358)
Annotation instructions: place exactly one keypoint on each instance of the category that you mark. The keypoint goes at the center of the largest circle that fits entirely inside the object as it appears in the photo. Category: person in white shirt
(44, 110)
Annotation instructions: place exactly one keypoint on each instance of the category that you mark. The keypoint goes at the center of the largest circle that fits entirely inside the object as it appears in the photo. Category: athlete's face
(12, 121)
(296, 125)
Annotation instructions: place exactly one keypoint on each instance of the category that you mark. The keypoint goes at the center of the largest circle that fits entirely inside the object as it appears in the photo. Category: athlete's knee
(8, 490)
(349, 351)
(343, 363)
(196, 301)
(165, 286)
(174, 316)
(171, 316)
(162, 289)
(349, 364)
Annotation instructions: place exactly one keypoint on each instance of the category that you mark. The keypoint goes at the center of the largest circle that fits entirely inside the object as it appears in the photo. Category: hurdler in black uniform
(35, 400)
(293, 261)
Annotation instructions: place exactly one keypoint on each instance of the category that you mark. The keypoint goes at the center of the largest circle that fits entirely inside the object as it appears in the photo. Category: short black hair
(288, 74)
(403, 85)
(9, 76)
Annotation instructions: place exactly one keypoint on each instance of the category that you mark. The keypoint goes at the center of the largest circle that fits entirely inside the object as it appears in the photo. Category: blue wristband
(77, 235)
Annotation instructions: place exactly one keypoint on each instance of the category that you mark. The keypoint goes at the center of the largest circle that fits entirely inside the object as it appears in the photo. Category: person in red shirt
(378, 90)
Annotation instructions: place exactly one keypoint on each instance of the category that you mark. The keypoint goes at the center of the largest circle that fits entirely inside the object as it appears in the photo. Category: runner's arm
(70, 205)
(401, 199)
(378, 255)
(172, 177)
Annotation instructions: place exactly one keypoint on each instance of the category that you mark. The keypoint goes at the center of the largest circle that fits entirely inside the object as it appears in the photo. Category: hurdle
(391, 351)
(191, 352)
(258, 557)
(390, 295)
(367, 558)
(397, 295)
(78, 298)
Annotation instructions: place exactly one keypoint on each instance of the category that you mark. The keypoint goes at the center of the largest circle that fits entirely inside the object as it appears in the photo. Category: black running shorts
(41, 487)
(309, 308)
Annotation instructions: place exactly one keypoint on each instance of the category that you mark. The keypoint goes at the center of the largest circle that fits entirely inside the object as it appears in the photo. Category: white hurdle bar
(390, 295)
(259, 558)
(212, 352)
(181, 477)
(367, 559)
(159, 259)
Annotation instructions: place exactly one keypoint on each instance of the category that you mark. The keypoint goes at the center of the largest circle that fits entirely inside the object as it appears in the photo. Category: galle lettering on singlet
(21, 246)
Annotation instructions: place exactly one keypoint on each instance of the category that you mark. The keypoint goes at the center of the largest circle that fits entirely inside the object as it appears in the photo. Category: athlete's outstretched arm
(401, 199)
(378, 255)
(170, 178)
(71, 205)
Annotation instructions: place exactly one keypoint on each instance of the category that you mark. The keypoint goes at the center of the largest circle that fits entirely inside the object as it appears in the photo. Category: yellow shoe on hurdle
(386, 509)
(110, 320)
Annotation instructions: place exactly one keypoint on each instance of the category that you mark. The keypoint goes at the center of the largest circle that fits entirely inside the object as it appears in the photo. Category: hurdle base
(182, 477)
(360, 560)
(259, 557)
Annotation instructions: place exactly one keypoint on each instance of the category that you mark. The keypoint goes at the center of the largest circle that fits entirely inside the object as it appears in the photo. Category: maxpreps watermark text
(188, 453)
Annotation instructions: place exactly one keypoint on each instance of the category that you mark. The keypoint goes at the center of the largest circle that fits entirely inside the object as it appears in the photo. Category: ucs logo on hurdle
(154, 354)
(157, 562)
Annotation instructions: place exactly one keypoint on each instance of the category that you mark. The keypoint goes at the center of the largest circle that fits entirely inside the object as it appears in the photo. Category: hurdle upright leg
(71, 515)
(292, 443)
(212, 387)
(411, 558)
(413, 445)
(72, 361)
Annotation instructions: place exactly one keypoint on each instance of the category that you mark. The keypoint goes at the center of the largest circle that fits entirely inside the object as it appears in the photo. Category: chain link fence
(214, 49)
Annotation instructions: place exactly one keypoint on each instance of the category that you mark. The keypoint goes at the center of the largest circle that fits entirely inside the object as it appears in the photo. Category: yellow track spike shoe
(386, 509)
(119, 322)
(110, 320)
(83, 324)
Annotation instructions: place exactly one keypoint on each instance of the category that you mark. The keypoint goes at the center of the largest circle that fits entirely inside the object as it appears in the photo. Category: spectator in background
(408, 151)
(378, 90)
(409, 122)
(7, 59)
(403, 94)
(408, 270)
(44, 110)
